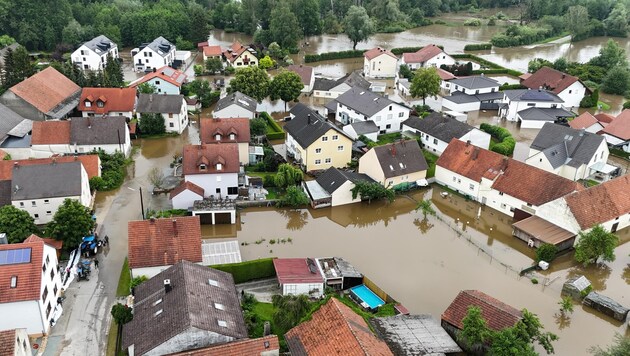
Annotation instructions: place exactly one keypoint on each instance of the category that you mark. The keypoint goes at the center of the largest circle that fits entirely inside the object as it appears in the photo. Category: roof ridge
(347, 322)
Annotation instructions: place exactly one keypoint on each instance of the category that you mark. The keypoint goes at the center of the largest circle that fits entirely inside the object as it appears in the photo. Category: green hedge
(274, 131)
(506, 143)
(249, 270)
(511, 87)
(478, 47)
(333, 55)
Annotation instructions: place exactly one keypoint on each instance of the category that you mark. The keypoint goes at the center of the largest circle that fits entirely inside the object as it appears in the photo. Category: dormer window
(232, 136)
(100, 104)
(217, 137)
(202, 167)
(88, 104)
(219, 166)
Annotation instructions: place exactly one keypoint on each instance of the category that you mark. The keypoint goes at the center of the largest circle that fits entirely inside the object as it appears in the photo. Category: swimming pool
(364, 294)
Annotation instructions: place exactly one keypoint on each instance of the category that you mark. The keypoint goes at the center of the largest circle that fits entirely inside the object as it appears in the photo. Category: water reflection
(423, 225)
(562, 320)
(296, 218)
(597, 274)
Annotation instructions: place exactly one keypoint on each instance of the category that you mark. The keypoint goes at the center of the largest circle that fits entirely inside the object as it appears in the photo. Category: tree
(611, 55)
(147, 88)
(204, 92)
(308, 15)
(537, 63)
(275, 51)
(199, 19)
(257, 126)
(287, 86)
(294, 197)
(214, 65)
(575, 18)
(626, 105)
(152, 124)
(566, 305)
(251, 81)
(266, 62)
(17, 224)
(617, 81)
(371, 191)
(616, 24)
(122, 314)
(71, 223)
(288, 175)
(534, 331)
(357, 25)
(156, 177)
(475, 331)
(546, 252)
(112, 75)
(621, 347)
(426, 82)
(284, 26)
(17, 67)
(136, 281)
(561, 64)
(595, 244)
(290, 309)
(425, 207)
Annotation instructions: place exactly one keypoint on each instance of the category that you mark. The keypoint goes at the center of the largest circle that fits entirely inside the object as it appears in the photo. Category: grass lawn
(431, 159)
(274, 193)
(125, 281)
(591, 182)
(388, 138)
(619, 153)
(603, 106)
(111, 339)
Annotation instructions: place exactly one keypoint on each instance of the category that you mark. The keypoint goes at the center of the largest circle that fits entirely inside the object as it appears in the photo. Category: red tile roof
(162, 242)
(422, 55)
(7, 342)
(498, 315)
(113, 99)
(187, 186)
(236, 50)
(210, 155)
(56, 244)
(296, 270)
(335, 330)
(305, 72)
(377, 51)
(50, 132)
(45, 90)
(620, 126)
(585, 120)
(212, 51)
(91, 163)
(470, 161)
(29, 275)
(210, 127)
(600, 203)
(550, 79)
(603, 117)
(175, 77)
(444, 75)
(251, 347)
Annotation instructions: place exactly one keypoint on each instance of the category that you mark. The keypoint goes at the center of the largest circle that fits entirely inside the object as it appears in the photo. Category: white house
(437, 130)
(40, 189)
(617, 133)
(156, 54)
(239, 56)
(428, 56)
(570, 153)
(479, 84)
(172, 107)
(588, 122)
(185, 195)
(517, 100)
(92, 55)
(362, 128)
(331, 89)
(213, 167)
(235, 105)
(334, 188)
(299, 276)
(472, 94)
(107, 101)
(307, 75)
(166, 80)
(212, 52)
(16, 342)
(536, 118)
(569, 88)
(394, 165)
(380, 63)
(30, 282)
(358, 104)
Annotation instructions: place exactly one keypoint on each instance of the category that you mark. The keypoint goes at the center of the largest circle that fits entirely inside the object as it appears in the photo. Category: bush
(269, 181)
(400, 50)
(478, 47)
(333, 55)
(249, 270)
(472, 22)
(546, 252)
(626, 105)
(274, 131)
(113, 171)
(511, 86)
(506, 142)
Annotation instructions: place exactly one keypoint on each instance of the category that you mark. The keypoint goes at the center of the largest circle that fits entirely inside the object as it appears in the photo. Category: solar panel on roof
(11, 257)
(536, 95)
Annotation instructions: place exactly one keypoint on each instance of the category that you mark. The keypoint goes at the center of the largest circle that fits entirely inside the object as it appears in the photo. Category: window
(100, 104)
(202, 167)
(88, 104)
(36, 216)
(48, 308)
(222, 323)
(459, 181)
(318, 150)
(157, 82)
(33, 203)
(339, 148)
(46, 201)
(157, 302)
(218, 179)
(45, 294)
(531, 104)
(335, 137)
(318, 161)
(44, 268)
(500, 193)
(170, 115)
(219, 306)
(21, 204)
(327, 160)
(218, 190)
(212, 282)
(232, 190)
(55, 290)
(454, 179)
(388, 126)
(570, 91)
(52, 273)
(471, 186)
(219, 166)
(324, 138)
(378, 118)
(401, 114)
(528, 204)
(170, 124)
(503, 206)
(435, 141)
(13, 281)
(232, 136)
(391, 108)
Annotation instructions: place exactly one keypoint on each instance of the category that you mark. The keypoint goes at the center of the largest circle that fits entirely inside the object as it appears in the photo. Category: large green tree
(214, 65)
(284, 26)
(475, 330)
(294, 197)
(371, 191)
(17, 67)
(287, 86)
(113, 75)
(309, 16)
(288, 175)
(357, 25)
(595, 244)
(426, 82)
(621, 347)
(17, 224)
(152, 124)
(617, 81)
(575, 18)
(71, 223)
(616, 24)
(610, 55)
(251, 81)
(290, 309)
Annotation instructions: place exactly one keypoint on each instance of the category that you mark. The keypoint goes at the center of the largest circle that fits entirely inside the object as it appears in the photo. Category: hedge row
(506, 143)
(249, 270)
(511, 87)
(493, 67)
(276, 131)
(333, 55)
(478, 47)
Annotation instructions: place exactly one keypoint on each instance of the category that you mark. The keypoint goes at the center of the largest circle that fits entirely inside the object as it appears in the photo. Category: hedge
(478, 47)
(506, 143)
(333, 55)
(511, 87)
(274, 131)
(249, 270)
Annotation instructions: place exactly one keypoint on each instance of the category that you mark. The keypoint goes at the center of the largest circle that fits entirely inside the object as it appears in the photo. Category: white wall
(49, 282)
(164, 87)
(573, 95)
(185, 199)
(432, 144)
(464, 108)
(533, 124)
(503, 203)
(24, 314)
(45, 151)
(233, 111)
(210, 182)
(477, 138)
(343, 195)
(91, 59)
(149, 59)
(176, 122)
(457, 182)
(303, 288)
(455, 87)
(22, 345)
(439, 60)
(382, 119)
(353, 134)
(88, 113)
(238, 62)
(516, 106)
(381, 66)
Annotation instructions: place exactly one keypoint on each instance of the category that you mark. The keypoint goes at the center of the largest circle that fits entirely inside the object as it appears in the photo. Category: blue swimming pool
(364, 294)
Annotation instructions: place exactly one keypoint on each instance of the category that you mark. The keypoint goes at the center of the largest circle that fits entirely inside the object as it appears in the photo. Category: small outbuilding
(576, 286)
(606, 305)
(299, 276)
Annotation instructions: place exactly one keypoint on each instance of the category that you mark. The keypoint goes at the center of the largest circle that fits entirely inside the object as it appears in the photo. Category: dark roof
(160, 104)
(305, 72)
(354, 79)
(532, 95)
(161, 45)
(239, 99)
(46, 181)
(364, 127)
(306, 130)
(98, 130)
(364, 101)
(475, 82)
(460, 98)
(5, 192)
(437, 125)
(191, 303)
(544, 114)
(334, 178)
(400, 158)
(498, 315)
(9, 121)
(99, 44)
(564, 145)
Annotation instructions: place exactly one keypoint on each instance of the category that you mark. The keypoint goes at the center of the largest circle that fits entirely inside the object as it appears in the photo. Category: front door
(614, 227)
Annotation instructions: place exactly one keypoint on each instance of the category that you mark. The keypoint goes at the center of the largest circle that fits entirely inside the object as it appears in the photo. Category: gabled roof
(192, 302)
(422, 55)
(537, 95)
(364, 101)
(305, 72)
(439, 126)
(577, 147)
(604, 118)
(100, 44)
(544, 114)
(212, 51)
(235, 50)
(354, 79)
(106, 130)
(160, 103)
(56, 244)
(12, 124)
(308, 126)
(209, 128)
(210, 155)
(600, 203)
(297, 270)
(584, 121)
(475, 82)
(550, 79)
(334, 178)
(497, 314)
(166, 73)
(400, 158)
(161, 46)
(183, 186)
(251, 347)
(334, 330)
(378, 51)
(164, 242)
(47, 91)
(620, 126)
(29, 274)
(444, 75)
(364, 127)
(51, 133)
(55, 180)
(90, 162)
(236, 98)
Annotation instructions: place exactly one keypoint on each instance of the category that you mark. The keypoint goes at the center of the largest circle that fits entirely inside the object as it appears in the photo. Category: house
(212, 52)
(239, 56)
(45, 95)
(15, 342)
(427, 56)
(380, 63)
(362, 128)
(331, 89)
(617, 133)
(262, 346)
(166, 80)
(479, 84)
(358, 104)
(12, 125)
(156, 54)
(81, 135)
(404, 85)
(107, 101)
(516, 101)
(185, 194)
(40, 189)
(227, 130)
(30, 282)
(395, 165)
(172, 107)
(588, 122)
(214, 168)
(338, 273)
(236, 104)
(502, 183)
(437, 130)
(157, 244)
(299, 276)
(497, 314)
(91, 163)
(333, 188)
(414, 335)
(93, 54)
(570, 153)
(307, 75)
(472, 94)
(192, 104)
(182, 308)
(536, 118)
(569, 88)
(334, 329)
(315, 143)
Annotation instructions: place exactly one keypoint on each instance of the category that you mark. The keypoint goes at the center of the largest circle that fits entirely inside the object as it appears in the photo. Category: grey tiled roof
(334, 178)
(364, 101)
(400, 158)
(42, 181)
(98, 130)
(306, 132)
(539, 95)
(439, 126)
(353, 79)
(5, 192)
(565, 145)
(475, 82)
(239, 99)
(160, 103)
(189, 304)
(9, 121)
(161, 45)
(544, 114)
(364, 127)
(99, 44)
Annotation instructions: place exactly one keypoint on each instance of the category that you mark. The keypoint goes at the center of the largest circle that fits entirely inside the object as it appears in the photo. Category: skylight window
(158, 312)
(212, 282)
(222, 323)
(219, 306)
(157, 302)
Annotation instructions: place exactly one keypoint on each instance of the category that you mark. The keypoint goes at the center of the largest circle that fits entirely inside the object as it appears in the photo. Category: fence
(377, 290)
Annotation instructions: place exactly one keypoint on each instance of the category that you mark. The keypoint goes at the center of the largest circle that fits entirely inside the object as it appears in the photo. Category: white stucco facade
(470, 91)
(460, 107)
(177, 122)
(381, 66)
(215, 184)
(87, 59)
(435, 61)
(163, 87)
(111, 113)
(573, 94)
(354, 135)
(45, 151)
(538, 159)
(343, 195)
(389, 119)
(185, 199)
(314, 290)
(147, 59)
(332, 93)
(514, 106)
(234, 110)
(436, 146)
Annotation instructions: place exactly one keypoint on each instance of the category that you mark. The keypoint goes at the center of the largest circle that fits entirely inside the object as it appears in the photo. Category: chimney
(152, 220)
(582, 132)
(309, 118)
(175, 227)
(564, 75)
(475, 153)
(54, 160)
(89, 123)
(16, 164)
(467, 143)
(167, 286)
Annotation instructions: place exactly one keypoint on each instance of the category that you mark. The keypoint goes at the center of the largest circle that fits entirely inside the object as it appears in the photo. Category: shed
(299, 276)
(541, 231)
(575, 286)
(606, 305)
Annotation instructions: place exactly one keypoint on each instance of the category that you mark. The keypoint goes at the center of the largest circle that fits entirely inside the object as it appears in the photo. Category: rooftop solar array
(537, 95)
(11, 257)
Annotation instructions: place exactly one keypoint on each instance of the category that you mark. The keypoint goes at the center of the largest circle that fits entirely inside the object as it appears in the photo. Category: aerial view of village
(314, 177)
